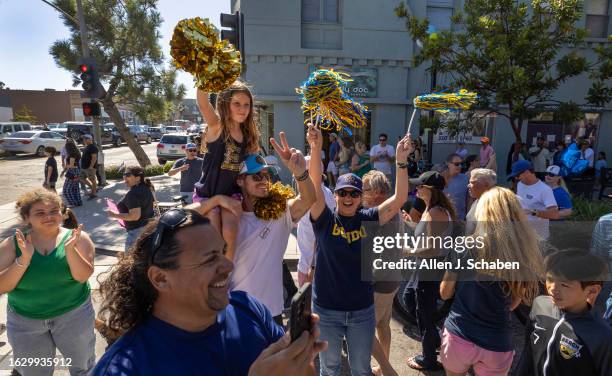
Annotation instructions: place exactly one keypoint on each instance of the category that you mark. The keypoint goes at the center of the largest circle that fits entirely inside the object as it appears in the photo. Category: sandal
(416, 362)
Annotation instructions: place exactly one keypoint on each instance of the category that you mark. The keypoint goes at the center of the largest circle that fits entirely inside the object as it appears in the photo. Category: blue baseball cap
(519, 167)
(349, 181)
(191, 146)
(253, 163)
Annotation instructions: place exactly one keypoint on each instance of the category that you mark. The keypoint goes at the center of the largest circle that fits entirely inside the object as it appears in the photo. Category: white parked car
(12, 127)
(172, 147)
(32, 142)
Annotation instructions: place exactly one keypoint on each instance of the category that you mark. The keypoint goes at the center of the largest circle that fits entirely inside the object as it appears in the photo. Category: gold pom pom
(272, 207)
(197, 49)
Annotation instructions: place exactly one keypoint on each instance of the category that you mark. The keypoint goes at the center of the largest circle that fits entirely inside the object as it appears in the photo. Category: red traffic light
(91, 109)
(84, 68)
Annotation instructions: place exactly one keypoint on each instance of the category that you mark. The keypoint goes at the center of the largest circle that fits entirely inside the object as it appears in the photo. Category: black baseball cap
(430, 178)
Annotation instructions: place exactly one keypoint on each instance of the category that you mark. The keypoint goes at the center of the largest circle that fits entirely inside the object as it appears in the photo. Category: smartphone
(301, 309)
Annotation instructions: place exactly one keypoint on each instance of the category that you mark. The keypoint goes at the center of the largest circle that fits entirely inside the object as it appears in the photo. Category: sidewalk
(105, 232)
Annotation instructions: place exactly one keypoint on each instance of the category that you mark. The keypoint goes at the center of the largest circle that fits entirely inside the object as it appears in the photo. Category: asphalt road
(22, 172)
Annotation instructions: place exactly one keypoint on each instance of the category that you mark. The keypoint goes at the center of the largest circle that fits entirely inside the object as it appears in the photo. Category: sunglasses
(260, 176)
(382, 139)
(127, 174)
(353, 194)
(170, 220)
(551, 175)
(458, 164)
(192, 150)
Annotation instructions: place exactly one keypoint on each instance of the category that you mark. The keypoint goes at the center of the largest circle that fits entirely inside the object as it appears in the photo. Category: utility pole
(97, 134)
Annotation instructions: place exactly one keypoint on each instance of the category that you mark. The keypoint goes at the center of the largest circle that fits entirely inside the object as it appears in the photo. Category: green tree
(514, 54)
(155, 104)
(25, 114)
(2, 85)
(600, 92)
(124, 40)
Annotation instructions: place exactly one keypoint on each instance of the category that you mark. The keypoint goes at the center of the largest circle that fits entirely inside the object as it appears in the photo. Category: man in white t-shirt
(541, 158)
(260, 243)
(382, 156)
(306, 238)
(537, 198)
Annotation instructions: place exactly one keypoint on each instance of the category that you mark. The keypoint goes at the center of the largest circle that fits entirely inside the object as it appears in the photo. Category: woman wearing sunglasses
(136, 207)
(562, 196)
(435, 221)
(343, 299)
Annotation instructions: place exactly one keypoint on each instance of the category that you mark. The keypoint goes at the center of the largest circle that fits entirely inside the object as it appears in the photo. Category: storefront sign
(365, 80)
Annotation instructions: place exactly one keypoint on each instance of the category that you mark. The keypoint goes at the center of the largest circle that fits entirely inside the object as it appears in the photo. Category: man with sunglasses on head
(169, 300)
(190, 168)
(457, 185)
(343, 299)
(261, 242)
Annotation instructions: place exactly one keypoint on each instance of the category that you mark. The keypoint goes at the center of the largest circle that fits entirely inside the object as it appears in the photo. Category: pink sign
(113, 207)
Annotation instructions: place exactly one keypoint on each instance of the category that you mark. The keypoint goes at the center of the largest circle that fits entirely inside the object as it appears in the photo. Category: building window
(596, 18)
(320, 11)
(440, 17)
(321, 26)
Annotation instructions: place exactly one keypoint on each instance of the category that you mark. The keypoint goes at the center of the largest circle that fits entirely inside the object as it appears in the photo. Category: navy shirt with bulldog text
(338, 283)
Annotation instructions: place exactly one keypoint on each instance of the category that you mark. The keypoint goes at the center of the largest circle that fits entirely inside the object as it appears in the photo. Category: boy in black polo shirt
(567, 338)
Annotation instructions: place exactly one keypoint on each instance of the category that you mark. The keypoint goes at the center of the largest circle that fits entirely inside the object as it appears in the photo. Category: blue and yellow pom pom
(444, 102)
(323, 96)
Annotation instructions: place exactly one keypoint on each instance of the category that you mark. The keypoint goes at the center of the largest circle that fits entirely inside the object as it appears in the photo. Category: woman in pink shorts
(477, 331)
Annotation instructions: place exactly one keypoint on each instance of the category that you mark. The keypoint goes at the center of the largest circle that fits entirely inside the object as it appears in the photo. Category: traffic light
(235, 34)
(89, 78)
(91, 109)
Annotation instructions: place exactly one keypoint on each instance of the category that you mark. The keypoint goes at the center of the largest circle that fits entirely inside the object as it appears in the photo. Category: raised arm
(315, 140)
(392, 205)
(210, 115)
(295, 162)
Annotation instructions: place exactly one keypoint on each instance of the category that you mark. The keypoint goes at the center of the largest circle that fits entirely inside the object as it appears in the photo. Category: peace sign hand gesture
(291, 157)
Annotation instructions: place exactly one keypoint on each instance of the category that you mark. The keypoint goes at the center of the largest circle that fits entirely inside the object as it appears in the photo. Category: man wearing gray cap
(190, 168)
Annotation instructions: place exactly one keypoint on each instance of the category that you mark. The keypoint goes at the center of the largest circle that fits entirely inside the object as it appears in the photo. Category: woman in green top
(45, 274)
(360, 163)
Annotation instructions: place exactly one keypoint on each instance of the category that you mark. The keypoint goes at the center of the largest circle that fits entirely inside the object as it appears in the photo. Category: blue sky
(29, 27)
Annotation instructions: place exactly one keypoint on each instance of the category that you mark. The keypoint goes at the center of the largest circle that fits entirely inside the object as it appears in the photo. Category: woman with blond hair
(45, 270)
(477, 331)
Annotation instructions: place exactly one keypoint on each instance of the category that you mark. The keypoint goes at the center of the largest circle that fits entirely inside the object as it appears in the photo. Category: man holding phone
(169, 299)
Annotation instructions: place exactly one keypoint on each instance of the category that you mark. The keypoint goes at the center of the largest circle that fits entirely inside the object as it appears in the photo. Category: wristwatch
(402, 165)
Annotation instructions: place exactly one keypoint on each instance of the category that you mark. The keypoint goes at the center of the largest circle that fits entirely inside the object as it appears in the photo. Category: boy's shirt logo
(569, 348)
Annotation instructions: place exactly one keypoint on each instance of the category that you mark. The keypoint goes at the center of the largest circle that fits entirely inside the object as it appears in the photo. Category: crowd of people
(199, 289)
